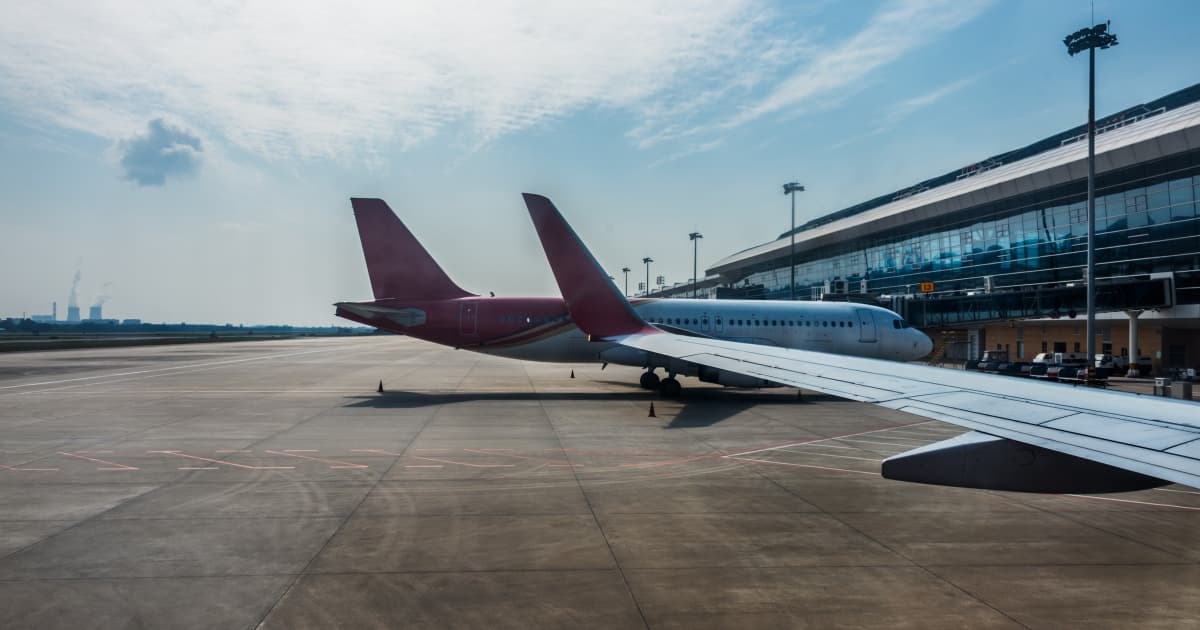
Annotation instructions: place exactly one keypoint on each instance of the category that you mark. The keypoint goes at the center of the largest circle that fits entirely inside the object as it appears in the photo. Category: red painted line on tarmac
(671, 462)
(14, 469)
(534, 459)
(336, 463)
(865, 459)
(221, 461)
(448, 461)
(832, 437)
(434, 459)
(767, 461)
(114, 465)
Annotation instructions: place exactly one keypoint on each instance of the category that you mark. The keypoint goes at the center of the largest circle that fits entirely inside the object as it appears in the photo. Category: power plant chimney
(54, 311)
(73, 314)
(94, 312)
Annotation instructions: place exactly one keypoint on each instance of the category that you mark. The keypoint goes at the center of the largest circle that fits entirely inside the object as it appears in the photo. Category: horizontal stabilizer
(978, 460)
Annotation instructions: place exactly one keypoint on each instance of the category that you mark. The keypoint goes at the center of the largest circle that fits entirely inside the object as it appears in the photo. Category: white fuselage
(833, 327)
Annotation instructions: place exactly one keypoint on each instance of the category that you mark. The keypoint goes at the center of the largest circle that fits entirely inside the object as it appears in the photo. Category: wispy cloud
(910, 106)
(324, 79)
(832, 70)
(898, 112)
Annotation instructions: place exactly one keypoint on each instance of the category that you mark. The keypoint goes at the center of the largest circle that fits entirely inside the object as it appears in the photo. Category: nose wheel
(649, 380)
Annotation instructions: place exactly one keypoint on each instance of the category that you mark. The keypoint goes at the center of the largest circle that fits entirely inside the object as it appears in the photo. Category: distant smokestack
(54, 311)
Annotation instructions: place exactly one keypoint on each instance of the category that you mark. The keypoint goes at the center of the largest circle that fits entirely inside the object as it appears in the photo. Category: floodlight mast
(791, 188)
(647, 260)
(626, 271)
(1090, 39)
(695, 238)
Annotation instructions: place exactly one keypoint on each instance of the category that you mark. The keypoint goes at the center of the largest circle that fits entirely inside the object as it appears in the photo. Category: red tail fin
(596, 305)
(397, 263)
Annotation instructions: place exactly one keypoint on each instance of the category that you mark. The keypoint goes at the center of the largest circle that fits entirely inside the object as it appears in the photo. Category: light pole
(647, 260)
(695, 238)
(791, 188)
(1090, 39)
(626, 270)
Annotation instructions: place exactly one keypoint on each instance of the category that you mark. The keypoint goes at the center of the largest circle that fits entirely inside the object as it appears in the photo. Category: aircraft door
(866, 325)
(704, 323)
(468, 315)
(719, 324)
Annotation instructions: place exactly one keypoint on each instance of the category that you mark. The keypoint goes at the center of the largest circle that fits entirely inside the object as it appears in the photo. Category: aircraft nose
(923, 345)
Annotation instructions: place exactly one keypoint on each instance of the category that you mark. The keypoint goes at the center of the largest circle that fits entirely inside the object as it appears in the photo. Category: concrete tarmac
(269, 484)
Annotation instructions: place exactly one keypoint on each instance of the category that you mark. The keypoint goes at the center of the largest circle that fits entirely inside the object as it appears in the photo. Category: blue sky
(195, 163)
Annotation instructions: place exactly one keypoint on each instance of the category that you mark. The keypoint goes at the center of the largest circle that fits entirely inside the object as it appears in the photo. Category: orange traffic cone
(380, 390)
(652, 414)
(572, 373)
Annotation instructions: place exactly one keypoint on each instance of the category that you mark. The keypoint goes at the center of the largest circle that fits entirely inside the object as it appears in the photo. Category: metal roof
(1174, 131)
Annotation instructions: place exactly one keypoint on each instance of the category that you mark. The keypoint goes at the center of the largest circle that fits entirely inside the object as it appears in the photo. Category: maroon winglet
(397, 263)
(596, 305)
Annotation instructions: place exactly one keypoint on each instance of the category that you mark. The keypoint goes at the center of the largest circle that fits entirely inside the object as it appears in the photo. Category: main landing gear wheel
(649, 380)
(669, 387)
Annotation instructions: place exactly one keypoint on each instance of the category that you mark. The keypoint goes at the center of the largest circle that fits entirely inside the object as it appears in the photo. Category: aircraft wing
(1155, 437)
(1026, 435)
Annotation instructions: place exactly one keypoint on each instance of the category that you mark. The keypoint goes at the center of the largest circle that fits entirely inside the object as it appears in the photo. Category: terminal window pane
(1160, 215)
(1181, 191)
(1182, 211)
(1135, 201)
(1157, 196)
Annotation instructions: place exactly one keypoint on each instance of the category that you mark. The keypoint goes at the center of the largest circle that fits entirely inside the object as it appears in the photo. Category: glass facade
(1147, 220)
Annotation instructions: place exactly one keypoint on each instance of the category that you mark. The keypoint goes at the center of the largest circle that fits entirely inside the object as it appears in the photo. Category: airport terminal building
(996, 250)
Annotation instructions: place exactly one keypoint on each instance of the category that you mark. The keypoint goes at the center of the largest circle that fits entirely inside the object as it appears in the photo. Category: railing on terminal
(1051, 301)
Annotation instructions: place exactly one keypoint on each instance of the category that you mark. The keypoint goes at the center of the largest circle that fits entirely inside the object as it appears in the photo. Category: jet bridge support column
(1133, 343)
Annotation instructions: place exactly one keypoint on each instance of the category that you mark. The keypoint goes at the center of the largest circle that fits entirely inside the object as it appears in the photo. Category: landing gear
(649, 380)
(669, 387)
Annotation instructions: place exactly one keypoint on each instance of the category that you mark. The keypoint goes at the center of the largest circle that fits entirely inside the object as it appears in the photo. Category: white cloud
(342, 79)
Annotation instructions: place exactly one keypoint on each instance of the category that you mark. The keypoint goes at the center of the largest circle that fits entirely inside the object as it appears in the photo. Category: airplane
(414, 296)
(1025, 436)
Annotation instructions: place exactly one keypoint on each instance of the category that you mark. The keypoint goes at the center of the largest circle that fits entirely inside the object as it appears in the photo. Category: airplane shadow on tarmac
(701, 407)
